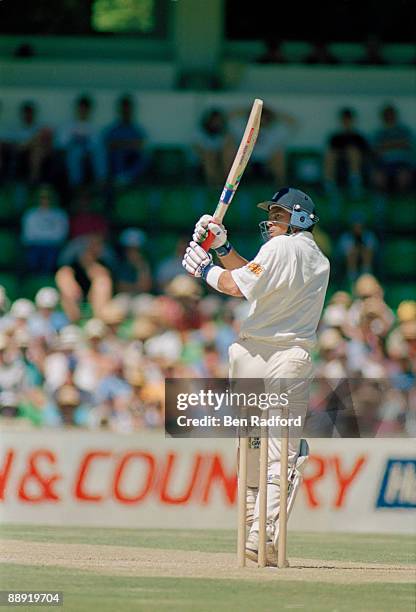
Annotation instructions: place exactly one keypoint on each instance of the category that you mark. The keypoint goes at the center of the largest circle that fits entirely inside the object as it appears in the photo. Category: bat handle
(206, 245)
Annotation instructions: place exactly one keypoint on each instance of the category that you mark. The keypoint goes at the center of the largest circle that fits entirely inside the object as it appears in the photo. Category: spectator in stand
(62, 361)
(209, 146)
(142, 328)
(9, 404)
(44, 230)
(83, 147)
(86, 220)
(165, 346)
(336, 313)
(114, 316)
(402, 340)
(357, 247)
(346, 156)
(217, 328)
(210, 364)
(19, 315)
(133, 273)
(12, 372)
(332, 353)
(373, 55)
(268, 160)
(68, 405)
(394, 150)
(32, 147)
(125, 141)
(365, 349)
(28, 350)
(320, 54)
(87, 267)
(112, 399)
(272, 53)
(93, 357)
(183, 309)
(47, 321)
(32, 353)
(171, 266)
(137, 402)
(368, 289)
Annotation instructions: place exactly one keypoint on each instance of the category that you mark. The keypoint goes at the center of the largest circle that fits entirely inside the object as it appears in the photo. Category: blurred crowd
(80, 153)
(94, 351)
(89, 261)
(383, 161)
(56, 175)
(108, 372)
(75, 153)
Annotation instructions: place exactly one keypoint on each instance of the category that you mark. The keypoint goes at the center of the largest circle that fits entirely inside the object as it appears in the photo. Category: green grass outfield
(89, 590)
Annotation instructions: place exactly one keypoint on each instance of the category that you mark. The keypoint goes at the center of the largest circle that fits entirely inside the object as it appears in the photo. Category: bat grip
(206, 245)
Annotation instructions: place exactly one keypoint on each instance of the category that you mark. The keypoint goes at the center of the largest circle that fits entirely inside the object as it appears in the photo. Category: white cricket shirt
(285, 285)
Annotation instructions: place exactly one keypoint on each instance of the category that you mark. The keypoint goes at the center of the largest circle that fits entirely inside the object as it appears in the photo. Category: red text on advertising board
(134, 476)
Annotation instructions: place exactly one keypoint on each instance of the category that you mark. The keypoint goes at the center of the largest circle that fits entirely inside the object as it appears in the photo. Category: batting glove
(196, 261)
(207, 224)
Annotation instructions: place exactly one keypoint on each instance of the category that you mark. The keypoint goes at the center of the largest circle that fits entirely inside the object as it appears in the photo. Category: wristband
(211, 274)
(224, 249)
(205, 269)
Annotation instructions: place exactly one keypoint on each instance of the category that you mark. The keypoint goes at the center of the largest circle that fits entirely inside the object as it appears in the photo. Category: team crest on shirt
(256, 268)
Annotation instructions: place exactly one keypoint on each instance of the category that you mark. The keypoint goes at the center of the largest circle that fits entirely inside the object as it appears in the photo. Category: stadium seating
(304, 166)
(397, 292)
(169, 163)
(9, 248)
(310, 80)
(176, 209)
(135, 206)
(403, 214)
(82, 73)
(399, 258)
(8, 210)
(31, 284)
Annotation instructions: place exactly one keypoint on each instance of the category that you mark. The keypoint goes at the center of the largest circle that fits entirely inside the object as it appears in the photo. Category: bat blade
(239, 165)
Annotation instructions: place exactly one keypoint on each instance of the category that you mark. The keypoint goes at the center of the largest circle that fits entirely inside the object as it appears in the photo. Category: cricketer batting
(285, 285)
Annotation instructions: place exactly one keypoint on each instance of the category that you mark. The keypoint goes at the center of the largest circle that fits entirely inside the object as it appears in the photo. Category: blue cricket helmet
(298, 203)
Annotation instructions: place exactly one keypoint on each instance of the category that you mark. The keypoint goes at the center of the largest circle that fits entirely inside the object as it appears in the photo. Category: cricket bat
(239, 165)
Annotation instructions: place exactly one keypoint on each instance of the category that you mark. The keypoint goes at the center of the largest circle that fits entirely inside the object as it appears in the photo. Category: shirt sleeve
(267, 272)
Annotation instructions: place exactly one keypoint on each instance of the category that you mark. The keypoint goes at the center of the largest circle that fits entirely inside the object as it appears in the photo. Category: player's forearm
(227, 285)
(220, 280)
(232, 260)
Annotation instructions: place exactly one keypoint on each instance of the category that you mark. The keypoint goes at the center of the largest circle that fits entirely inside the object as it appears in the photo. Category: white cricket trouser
(251, 358)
